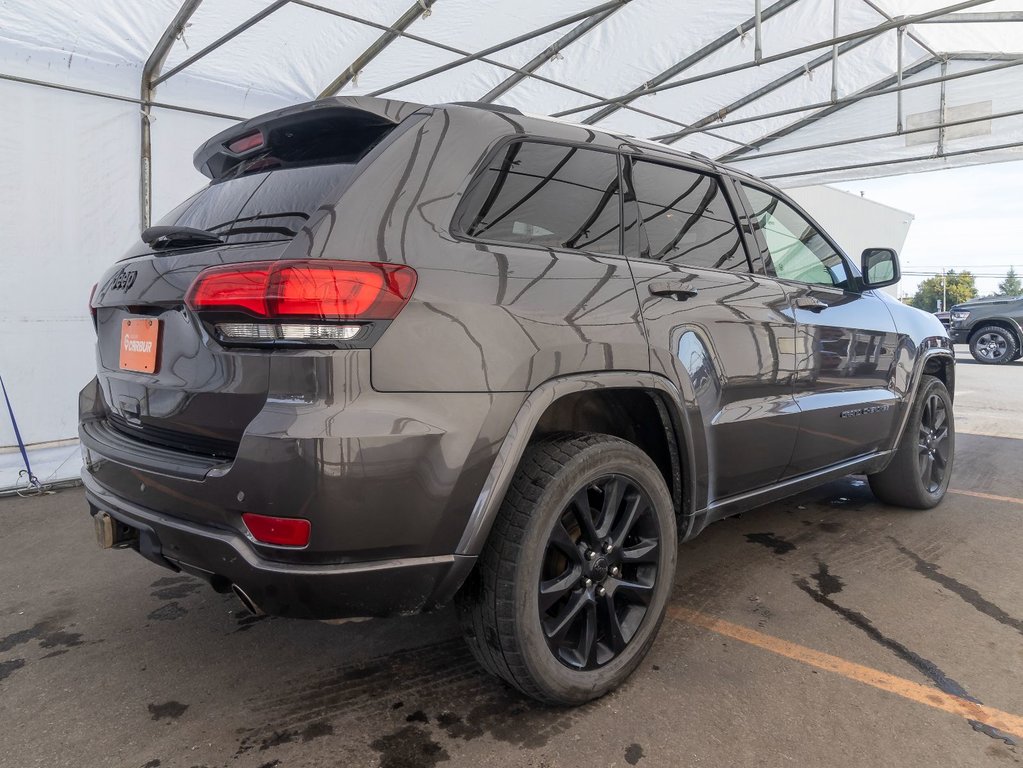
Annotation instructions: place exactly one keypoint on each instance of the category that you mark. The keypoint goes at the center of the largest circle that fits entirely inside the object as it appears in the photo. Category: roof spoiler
(219, 154)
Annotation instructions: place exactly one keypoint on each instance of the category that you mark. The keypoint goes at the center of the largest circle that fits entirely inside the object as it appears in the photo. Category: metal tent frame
(585, 22)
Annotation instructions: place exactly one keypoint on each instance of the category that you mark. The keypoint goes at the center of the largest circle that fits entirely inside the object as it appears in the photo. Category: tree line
(932, 295)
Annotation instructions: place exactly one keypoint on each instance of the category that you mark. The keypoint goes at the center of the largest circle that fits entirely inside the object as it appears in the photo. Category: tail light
(300, 301)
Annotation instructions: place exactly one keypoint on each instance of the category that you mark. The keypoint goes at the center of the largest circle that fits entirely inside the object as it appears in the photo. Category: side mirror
(880, 267)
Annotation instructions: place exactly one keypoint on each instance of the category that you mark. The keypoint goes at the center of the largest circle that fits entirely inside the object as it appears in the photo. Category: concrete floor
(106, 660)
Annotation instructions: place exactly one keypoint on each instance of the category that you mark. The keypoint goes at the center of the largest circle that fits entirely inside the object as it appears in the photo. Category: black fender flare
(498, 480)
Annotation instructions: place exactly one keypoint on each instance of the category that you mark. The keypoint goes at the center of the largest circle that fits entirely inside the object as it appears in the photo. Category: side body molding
(496, 486)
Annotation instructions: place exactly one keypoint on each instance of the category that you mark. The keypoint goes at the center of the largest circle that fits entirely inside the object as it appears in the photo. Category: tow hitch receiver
(110, 533)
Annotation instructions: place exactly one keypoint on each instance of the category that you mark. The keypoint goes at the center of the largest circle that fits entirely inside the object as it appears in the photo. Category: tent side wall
(68, 213)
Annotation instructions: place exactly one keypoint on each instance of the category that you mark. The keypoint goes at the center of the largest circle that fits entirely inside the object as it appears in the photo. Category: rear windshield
(272, 205)
(272, 193)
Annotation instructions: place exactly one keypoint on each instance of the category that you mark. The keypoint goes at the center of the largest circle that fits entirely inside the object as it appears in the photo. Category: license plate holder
(140, 341)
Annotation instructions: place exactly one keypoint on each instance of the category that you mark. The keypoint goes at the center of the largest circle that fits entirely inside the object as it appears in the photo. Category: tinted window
(272, 205)
(687, 218)
(547, 195)
(796, 248)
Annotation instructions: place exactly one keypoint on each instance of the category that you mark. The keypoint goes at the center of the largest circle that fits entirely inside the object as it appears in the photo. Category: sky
(964, 218)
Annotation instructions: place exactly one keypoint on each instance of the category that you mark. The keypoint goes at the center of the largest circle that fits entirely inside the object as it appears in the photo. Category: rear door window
(546, 195)
(686, 218)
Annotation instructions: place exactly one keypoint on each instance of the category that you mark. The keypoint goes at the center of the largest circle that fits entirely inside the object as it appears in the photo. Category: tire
(926, 448)
(500, 605)
(994, 345)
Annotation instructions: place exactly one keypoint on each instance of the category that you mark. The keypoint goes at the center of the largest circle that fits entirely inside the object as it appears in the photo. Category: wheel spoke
(633, 508)
(557, 627)
(633, 589)
(614, 490)
(584, 514)
(588, 638)
(564, 543)
(615, 634)
(644, 552)
(554, 589)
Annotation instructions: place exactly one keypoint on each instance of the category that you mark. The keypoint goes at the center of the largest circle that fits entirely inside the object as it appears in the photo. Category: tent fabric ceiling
(696, 75)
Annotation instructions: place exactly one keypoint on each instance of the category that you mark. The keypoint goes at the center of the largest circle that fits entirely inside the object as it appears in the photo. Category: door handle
(679, 290)
(810, 303)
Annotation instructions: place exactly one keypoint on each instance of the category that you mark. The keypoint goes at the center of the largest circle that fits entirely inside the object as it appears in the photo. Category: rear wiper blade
(178, 237)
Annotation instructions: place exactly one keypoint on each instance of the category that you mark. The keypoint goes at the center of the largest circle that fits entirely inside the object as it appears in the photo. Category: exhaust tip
(245, 600)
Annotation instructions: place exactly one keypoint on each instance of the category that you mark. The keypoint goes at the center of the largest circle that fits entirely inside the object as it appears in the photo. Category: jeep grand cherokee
(394, 356)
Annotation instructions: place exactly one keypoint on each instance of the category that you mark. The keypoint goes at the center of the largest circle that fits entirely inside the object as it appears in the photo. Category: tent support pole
(875, 30)
(501, 46)
(859, 96)
(547, 54)
(879, 136)
(834, 53)
(250, 22)
(758, 23)
(774, 85)
(941, 110)
(898, 161)
(501, 65)
(613, 105)
(898, 80)
(149, 73)
(417, 11)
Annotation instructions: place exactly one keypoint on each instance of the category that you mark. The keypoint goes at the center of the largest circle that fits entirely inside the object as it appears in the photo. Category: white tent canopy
(96, 93)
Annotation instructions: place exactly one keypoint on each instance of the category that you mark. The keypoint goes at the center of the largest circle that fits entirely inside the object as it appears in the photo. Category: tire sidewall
(561, 682)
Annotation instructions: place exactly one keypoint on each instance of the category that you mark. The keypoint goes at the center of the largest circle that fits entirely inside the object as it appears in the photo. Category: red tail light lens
(322, 290)
(280, 531)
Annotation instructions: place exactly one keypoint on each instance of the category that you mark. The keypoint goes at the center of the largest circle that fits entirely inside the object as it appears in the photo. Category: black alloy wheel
(933, 443)
(599, 572)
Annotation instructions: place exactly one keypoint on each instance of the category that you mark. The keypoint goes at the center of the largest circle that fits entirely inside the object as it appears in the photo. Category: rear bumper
(224, 558)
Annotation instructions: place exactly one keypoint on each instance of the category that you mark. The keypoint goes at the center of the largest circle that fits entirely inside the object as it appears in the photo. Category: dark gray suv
(394, 356)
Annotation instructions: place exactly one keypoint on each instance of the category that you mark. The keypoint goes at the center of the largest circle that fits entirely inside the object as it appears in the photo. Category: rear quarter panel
(483, 318)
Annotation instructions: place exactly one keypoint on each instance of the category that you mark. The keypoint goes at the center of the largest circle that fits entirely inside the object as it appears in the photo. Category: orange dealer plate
(140, 338)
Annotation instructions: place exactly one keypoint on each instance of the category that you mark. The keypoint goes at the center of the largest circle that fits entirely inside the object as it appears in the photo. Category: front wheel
(918, 474)
(574, 580)
(993, 345)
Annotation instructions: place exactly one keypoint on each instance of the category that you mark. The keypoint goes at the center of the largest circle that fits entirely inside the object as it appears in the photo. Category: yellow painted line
(988, 496)
(907, 689)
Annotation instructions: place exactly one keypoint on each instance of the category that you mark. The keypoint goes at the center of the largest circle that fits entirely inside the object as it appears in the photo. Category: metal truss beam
(754, 23)
(859, 96)
(912, 35)
(417, 11)
(879, 136)
(250, 22)
(774, 85)
(870, 32)
(737, 155)
(988, 17)
(896, 161)
(500, 64)
(500, 46)
(548, 53)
